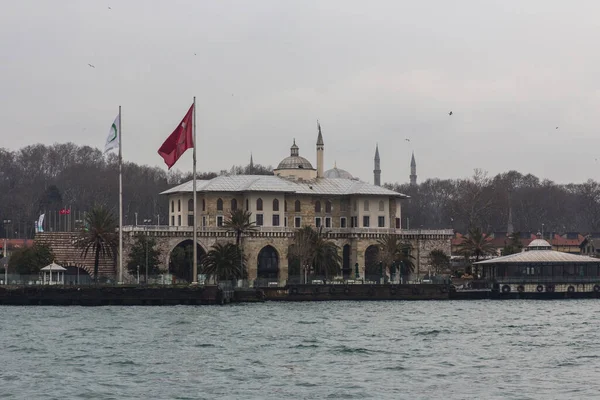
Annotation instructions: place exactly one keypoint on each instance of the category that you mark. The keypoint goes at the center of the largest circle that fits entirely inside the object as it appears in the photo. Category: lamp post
(138, 274)
(135, 219)
(146, 221)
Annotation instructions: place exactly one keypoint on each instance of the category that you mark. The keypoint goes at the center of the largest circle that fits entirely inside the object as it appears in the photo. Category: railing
(289, 230)
(546, 279)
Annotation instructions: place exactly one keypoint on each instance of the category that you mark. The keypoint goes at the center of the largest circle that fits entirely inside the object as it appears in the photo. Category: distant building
(541, 269)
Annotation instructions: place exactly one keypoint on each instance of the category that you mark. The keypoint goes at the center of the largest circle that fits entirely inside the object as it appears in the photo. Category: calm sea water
(325, 350)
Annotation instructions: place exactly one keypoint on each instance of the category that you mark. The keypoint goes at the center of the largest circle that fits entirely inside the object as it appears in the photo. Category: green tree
(514, 244)
(476, 244)
(439, 261)
(394, 251)
(223, 262)
(315, 253)
(327, 260)
(144, 250)
(239, 222)
(29, 260)
(99, 236)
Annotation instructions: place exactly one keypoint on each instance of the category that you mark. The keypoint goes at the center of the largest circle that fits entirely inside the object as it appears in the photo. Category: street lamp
(146, 221)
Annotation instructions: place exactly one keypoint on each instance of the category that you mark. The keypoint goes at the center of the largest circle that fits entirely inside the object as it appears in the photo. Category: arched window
(233, 204)
(285, 205)
(317, 206)
(219, 205)
(366, 205)
(203, 205)
(381, 206)
(172, 207)
(259, 204)
(191, 205)
(328, 207)
(297, 206)
(275, 205)
(179, 205)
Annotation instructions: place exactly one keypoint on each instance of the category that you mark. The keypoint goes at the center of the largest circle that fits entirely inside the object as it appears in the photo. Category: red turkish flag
(179, 141)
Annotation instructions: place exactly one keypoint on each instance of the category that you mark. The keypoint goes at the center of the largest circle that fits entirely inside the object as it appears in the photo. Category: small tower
(413, 170)
(320, 150)
(251, 162)
(377, 170)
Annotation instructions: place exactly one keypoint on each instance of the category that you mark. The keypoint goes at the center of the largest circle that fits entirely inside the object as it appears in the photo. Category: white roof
(541, 256)
(274, 183)
(53, 267)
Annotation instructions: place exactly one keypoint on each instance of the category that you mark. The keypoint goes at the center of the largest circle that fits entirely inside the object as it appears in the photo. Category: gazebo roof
(53, 267)
(541, 256)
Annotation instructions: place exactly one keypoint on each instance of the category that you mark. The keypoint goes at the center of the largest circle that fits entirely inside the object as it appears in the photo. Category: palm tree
(98, 235)
(239, 222)
(315, 252)
(476, 244)
(327, 260)
(393, 250)
(223, 262)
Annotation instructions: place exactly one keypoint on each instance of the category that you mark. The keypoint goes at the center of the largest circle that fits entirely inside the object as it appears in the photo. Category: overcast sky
(264, 71)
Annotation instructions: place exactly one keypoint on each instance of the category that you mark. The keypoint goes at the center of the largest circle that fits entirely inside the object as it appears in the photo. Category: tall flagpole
(195, 254)
(120, 200)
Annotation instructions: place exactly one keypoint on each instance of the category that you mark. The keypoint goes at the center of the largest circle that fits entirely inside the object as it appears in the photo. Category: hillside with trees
(46, 179)
(41, 178)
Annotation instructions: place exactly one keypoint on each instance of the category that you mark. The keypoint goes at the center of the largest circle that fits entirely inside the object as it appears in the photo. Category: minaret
(510, 228)
(320, 148)
(377, 170)
(413, 170)
(251, 162)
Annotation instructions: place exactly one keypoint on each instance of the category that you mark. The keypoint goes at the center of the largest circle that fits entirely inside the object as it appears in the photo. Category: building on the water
(541, 269)
(353, 213)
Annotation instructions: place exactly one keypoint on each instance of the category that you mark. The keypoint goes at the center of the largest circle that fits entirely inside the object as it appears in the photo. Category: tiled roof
(274, 183)
(534, 256)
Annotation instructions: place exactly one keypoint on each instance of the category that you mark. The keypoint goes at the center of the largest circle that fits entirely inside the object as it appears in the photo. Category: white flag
(114, 137)
(40, 223)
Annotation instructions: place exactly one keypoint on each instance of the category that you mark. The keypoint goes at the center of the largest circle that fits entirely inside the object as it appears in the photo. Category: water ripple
(325, 350)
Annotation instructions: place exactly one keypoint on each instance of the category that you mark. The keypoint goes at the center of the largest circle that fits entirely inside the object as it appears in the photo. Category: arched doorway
(77, 276)
(181, 260)
(267, 266)
(346, 267)
(372, 271)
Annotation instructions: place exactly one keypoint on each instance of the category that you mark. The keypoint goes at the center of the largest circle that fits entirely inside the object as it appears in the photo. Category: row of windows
(259, 205)
(297, 221)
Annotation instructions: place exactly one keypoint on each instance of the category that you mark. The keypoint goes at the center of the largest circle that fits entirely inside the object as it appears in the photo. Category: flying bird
(450, 113)
(109, 8)
(91, 65)
(557, 127)
(407, 139)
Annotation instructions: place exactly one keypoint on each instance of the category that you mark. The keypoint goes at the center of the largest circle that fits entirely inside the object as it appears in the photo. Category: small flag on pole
(179, 141)
(114, 136)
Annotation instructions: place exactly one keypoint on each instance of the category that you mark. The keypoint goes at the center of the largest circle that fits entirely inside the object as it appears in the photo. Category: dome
(294, 162)
(539, 244)
(335, 172)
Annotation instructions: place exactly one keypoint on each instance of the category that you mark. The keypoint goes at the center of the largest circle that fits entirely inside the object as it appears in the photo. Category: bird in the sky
(109, 8)
(450, 113)
(91, 65)
(407, 139)
(557, 127)
(194, 53)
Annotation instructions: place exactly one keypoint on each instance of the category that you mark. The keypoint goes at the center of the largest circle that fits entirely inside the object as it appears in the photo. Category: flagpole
(195, 253)
(120, 200)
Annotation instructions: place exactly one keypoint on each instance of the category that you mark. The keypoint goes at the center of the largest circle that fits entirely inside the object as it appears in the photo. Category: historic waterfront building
(354, 214)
